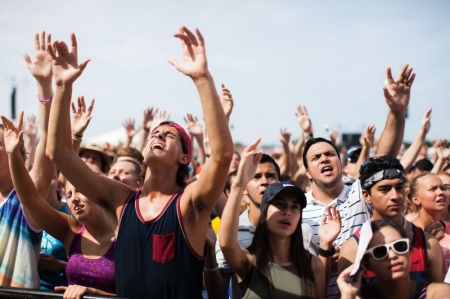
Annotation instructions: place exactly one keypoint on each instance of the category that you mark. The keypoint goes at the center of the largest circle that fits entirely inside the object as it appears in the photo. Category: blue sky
(273, 55)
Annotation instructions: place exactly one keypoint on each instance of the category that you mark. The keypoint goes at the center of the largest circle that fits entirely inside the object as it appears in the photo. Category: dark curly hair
(268, 159)
(375, 165)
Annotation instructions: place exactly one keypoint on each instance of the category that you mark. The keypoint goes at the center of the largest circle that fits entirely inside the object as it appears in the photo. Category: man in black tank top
(161, 227)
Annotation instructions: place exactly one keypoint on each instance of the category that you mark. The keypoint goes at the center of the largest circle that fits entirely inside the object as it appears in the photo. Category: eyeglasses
(379, 252)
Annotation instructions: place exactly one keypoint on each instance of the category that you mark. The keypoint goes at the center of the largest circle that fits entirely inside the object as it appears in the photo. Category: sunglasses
(379, 252)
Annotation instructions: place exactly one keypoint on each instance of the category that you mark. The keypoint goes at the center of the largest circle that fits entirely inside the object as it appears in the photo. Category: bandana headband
(387, 174)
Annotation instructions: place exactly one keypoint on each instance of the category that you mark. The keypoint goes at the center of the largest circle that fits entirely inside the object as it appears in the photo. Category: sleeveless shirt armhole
(180, 221)
(126, 202)
(245, 283)
(75, 239)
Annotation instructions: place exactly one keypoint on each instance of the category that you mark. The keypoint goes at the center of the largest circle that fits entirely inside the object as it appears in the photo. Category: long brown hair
(301, 259)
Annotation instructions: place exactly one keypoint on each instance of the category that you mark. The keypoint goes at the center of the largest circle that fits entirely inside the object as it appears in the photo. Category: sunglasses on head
(379, 252)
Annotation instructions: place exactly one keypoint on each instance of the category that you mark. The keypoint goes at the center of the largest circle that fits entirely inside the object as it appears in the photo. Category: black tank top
(154, 258)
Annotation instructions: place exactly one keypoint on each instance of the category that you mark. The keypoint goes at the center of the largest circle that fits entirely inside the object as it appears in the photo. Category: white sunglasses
(379, 252)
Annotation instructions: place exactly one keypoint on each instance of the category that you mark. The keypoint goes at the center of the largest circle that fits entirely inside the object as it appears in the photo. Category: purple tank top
(94, 273)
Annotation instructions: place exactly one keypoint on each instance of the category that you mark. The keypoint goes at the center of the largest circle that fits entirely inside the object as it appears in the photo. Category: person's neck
(6, 185)
(399, 288)
(326, 195)
(100, 227)
(253, 214)
(160, 182)
(281, 250)
(425, 217)
(399, 219)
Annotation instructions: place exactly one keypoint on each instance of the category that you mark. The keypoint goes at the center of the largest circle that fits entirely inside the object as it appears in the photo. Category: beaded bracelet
(78, 140)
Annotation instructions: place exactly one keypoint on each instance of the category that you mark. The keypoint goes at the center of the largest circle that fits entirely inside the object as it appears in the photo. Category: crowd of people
(183, 213)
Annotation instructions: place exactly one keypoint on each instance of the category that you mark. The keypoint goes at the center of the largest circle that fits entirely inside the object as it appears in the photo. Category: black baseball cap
(275, 188)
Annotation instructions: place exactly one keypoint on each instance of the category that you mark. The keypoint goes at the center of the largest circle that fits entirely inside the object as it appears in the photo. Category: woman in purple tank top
(388, 256)
(87, 235)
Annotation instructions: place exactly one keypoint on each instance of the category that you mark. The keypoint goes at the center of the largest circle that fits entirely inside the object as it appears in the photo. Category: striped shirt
(354, 211)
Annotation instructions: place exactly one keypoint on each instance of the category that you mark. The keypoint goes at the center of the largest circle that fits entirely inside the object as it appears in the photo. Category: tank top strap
(75, 245)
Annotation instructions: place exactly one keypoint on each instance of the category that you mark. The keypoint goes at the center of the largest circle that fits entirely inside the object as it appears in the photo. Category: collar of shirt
(342, 197)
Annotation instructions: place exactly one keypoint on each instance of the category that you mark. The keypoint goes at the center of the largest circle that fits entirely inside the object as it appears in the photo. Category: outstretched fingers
(74, 44)
(192, 37)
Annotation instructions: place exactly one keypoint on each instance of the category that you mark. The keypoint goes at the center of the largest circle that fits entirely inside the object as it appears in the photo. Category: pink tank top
(94, 273)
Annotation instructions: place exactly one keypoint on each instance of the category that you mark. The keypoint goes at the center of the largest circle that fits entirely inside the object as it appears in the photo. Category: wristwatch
(327, 253)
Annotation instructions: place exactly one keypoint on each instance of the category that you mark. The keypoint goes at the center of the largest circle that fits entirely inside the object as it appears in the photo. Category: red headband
(185, 137)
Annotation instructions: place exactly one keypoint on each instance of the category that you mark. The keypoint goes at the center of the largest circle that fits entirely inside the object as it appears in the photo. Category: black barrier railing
(7, 292)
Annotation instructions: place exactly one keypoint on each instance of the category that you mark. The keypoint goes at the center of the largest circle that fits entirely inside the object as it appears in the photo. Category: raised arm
(413, 150)
(442, 155)
(367, 140)
(397, 98)
(147, 121)
(285, 159)
(101, 190)
(204, 193)
(128, 124)
(30, 130)
(36, 209)
(41, 69)
(237, 257)
(81, 118)
(196, 131)
(227, 102)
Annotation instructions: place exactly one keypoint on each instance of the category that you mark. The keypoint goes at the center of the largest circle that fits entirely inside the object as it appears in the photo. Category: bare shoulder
(438, 290)
(347, 254)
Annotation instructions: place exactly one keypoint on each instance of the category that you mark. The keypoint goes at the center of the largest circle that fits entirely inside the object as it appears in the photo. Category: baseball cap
(274, 189)
(352, 154)
(184, 136)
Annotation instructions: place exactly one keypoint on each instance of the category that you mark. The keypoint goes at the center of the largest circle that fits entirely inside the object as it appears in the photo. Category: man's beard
(328, 185)
(258, 205)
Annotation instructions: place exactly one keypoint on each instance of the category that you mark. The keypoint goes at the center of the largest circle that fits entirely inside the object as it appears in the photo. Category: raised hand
(335, 136)
(398, 94)
(149, 114)
(81, 117)
(13, 136)
(303, 119)
(31, 127)
(128, 124)
(329, 230)
(249, 163)
(193, 125)
(426, 121)
(285, 137)
(368, 138)
(194, 62)
(158, 118)
(227, 102)
(65, 65)
(441, 151)
(41, 67)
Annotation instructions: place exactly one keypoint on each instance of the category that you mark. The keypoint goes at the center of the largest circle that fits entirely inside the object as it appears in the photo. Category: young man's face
(165, 142)
(387, 198)
(265, 175)
(324, 165)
